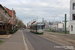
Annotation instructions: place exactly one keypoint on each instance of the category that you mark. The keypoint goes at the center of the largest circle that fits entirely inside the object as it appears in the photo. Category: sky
(50, 10)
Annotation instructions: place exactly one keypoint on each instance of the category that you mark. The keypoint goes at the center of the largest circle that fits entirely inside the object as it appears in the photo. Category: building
(7, 20)
(61, 27)
(12, 13)
(58, 26)
(4, 20)
(28, 24)
(72, 16)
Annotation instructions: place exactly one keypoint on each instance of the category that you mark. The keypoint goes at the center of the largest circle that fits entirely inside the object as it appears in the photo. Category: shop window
(71, 27)
(3, 27)
(73, 17)
(73, 6)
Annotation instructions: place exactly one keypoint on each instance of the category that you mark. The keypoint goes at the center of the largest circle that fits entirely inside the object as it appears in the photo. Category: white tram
(37, 27)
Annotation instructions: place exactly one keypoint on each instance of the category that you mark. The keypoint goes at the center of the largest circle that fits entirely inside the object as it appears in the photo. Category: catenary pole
(65, 23)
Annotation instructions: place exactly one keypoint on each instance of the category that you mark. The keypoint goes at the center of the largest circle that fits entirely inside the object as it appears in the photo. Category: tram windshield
(40, 27)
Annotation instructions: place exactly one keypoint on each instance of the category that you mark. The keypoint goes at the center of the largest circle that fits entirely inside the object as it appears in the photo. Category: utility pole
(12, 18)
(65, 23)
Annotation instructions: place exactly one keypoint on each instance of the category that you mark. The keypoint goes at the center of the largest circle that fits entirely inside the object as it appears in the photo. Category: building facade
(12, 13)
(72, 16)
(28, 24)
(58, 26)
(6, 21)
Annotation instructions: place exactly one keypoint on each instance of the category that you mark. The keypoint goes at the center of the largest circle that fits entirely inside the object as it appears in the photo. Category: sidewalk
(5, 36)
(15, 42)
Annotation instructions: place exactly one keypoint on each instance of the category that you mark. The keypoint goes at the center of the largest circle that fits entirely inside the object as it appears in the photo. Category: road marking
(25, 44)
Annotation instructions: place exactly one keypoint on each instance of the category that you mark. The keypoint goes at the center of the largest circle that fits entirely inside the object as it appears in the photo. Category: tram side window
(35, 27)
(42, 26)
(30, 27)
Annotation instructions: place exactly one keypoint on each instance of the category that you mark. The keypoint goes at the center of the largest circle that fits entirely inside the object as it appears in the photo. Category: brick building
(4, 20)
(7, 19)
(12, 13)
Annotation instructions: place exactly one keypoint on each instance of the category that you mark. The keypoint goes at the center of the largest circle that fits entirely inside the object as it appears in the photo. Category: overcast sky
(50, 10)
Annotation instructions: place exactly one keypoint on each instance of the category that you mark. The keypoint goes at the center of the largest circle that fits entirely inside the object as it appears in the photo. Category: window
(39, 27)
(0, 27)
(73, 17)
(71, 27)
(3, 27)
(73, 6)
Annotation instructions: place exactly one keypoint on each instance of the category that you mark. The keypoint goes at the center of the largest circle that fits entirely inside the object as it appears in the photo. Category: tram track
(58, 39)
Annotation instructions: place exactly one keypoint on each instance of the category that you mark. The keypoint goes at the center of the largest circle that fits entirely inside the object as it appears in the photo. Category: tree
(19, 23)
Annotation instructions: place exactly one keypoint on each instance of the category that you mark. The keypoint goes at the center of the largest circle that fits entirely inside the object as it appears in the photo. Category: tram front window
(39, 27)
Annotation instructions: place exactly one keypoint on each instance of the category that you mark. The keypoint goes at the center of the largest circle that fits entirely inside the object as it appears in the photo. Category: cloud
(27, 10)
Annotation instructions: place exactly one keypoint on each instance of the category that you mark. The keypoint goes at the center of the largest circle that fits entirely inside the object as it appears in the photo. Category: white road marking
(25, 44)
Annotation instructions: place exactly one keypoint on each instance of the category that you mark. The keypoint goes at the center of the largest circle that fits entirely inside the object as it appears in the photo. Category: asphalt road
(39, 43)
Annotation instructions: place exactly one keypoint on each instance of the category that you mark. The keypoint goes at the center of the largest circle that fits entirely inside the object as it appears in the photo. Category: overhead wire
(50, 8)
(55, 5)
(60, 12)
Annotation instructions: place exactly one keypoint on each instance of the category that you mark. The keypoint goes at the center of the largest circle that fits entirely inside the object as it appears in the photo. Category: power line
(53, 7)
(61, 12)
(55, 4)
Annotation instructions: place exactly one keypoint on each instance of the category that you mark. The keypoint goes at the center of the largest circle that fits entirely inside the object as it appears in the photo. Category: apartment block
(72, 16)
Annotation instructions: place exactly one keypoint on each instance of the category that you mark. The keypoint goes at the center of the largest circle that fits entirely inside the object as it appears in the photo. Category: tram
(37, 27)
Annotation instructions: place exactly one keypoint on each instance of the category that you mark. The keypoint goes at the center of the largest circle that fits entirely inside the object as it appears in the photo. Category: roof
(3, 8)
(33, 22)
(10, 11)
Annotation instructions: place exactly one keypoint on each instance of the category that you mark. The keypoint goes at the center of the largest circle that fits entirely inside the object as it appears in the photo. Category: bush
(12, 31)
(2, 32)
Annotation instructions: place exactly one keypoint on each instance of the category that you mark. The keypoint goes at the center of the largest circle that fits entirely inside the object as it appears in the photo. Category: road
(39, 43)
